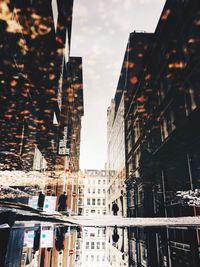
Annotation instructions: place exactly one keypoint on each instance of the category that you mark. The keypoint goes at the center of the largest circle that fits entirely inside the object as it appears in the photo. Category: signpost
(63, 150)
(28, 238)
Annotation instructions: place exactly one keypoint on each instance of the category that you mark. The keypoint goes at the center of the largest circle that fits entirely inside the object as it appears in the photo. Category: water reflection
(53, 245)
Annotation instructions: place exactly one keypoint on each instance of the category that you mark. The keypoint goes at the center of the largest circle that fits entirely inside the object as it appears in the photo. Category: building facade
(116, 157)
(161, 143)
(95, 192)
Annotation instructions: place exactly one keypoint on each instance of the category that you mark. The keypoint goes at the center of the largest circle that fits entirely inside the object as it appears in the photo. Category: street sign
(32, 202)
(71, 252)
(46, 240)
(63, 149)
(50, 203)
(28, 239)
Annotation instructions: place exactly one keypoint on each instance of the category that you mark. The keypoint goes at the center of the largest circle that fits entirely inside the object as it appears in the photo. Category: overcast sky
(100, 33)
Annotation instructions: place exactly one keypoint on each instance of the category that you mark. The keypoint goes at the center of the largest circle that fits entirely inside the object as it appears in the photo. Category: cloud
(149, 1)
(82, 13)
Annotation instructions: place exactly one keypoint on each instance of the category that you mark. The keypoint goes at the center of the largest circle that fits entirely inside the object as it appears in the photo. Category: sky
(100, 32)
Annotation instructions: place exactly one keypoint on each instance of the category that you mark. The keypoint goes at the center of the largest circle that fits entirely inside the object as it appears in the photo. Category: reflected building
(41, 99)
(94, 247)
(161, 134)
(39, 245)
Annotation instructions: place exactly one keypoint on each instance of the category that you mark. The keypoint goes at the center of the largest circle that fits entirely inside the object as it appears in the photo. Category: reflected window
(92, 245)
(87, 245)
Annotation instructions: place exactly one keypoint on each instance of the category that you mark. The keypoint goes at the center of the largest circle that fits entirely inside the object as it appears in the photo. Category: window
(88, 201)
(86, 232)
(104, 232)
(88, 190)
(99, 181)
(87, 245)
(103, 245)
(93, 201)
(93, 190)
(129, 143)
(104, 181)
(137, 129)
(98, 201)
(168, 122)
(98, 245)
(92, 245)
(104, 190)
(80, 190)
(92, 211)
(99, 191)
(98, 211)
(92, 234)
(86, 258)
(98, 258)
(143, 254)
(98, 233)
(104, 201)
